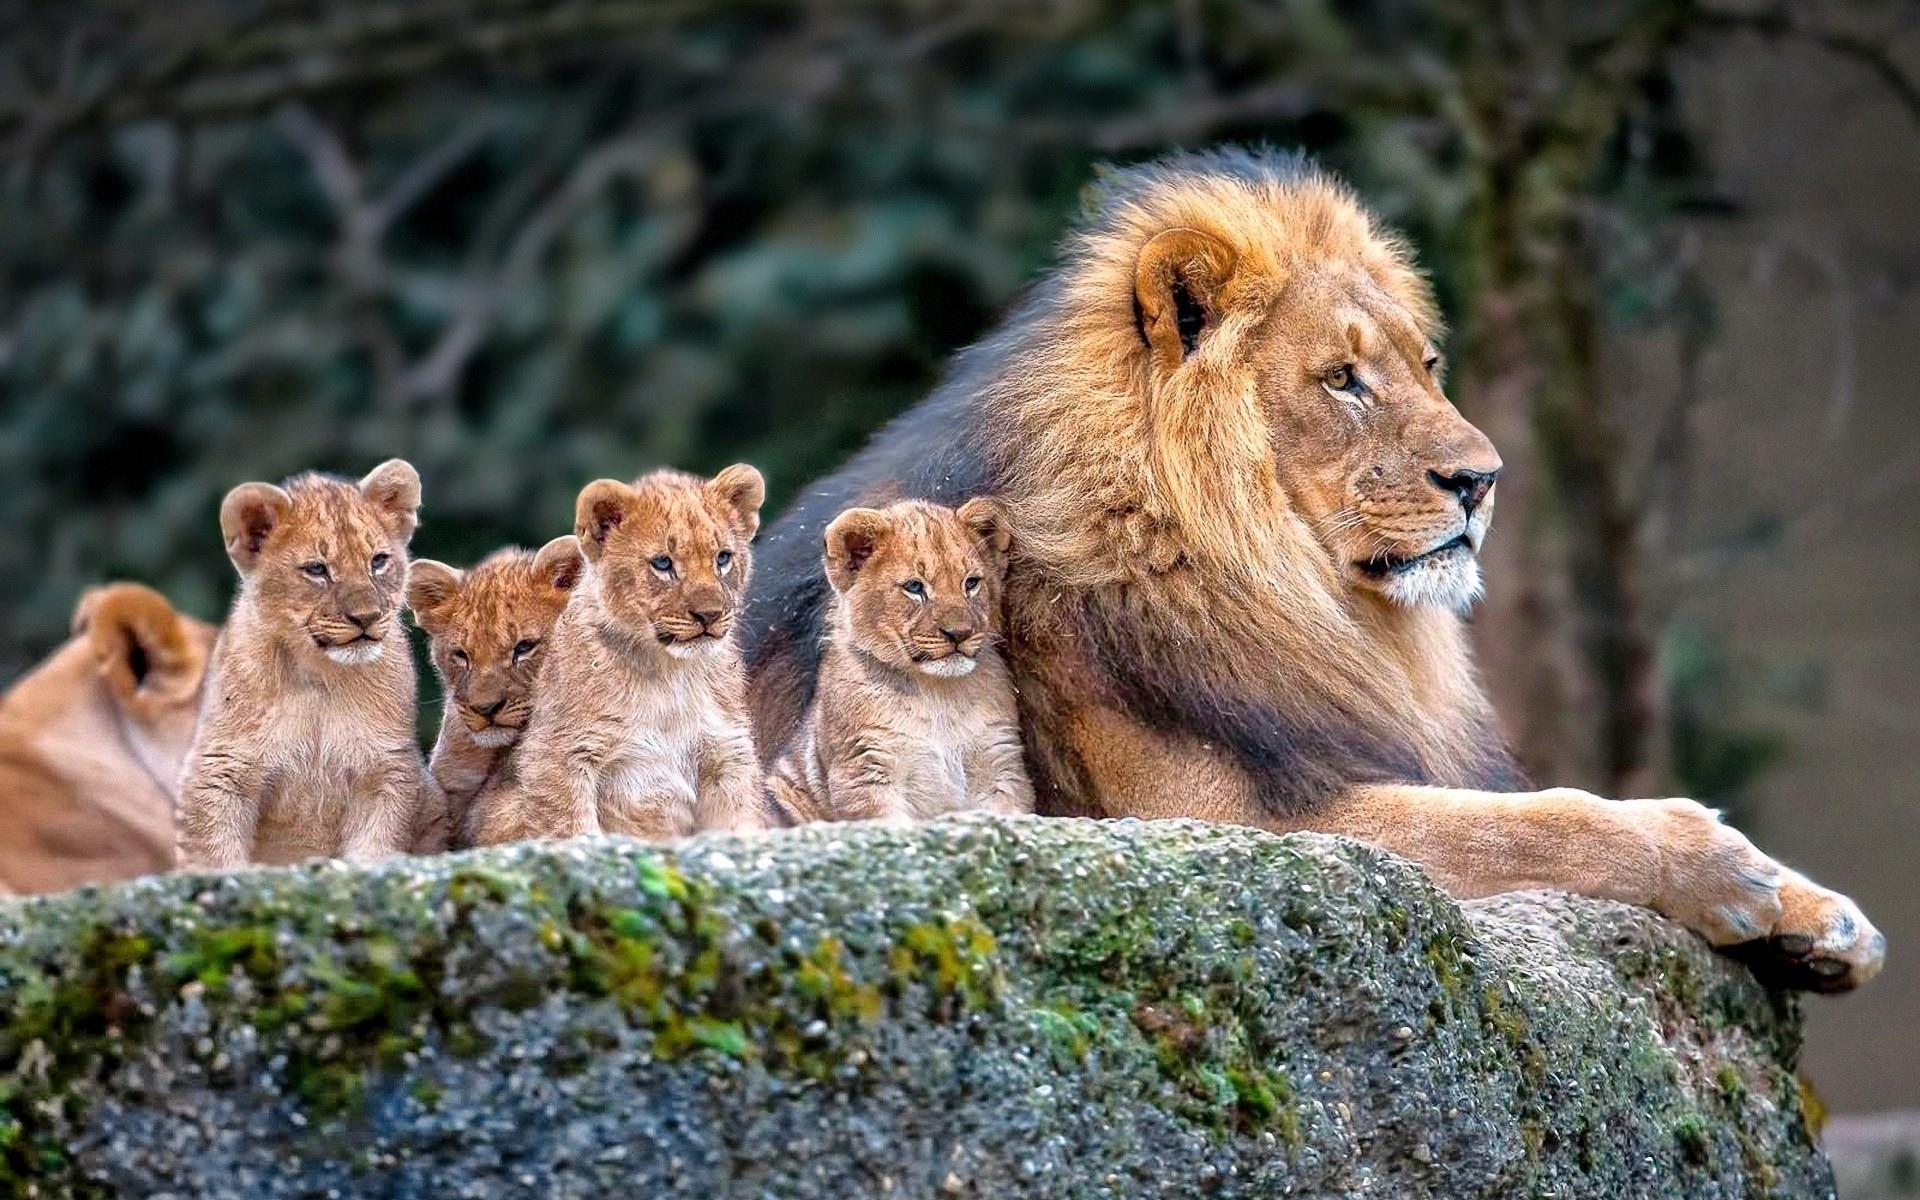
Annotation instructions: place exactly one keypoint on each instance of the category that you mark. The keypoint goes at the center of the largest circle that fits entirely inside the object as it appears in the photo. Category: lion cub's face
(919, 584)
(487, 627)
(670, 552)
(1395, 483)
(325, 560)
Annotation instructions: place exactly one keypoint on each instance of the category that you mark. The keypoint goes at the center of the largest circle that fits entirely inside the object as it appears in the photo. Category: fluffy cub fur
(487, 630)
(639, 719)
(305, 742)
(915, 713)
(91, 742)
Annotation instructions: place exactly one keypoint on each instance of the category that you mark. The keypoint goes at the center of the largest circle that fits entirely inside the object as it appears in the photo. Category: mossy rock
(976, 1007)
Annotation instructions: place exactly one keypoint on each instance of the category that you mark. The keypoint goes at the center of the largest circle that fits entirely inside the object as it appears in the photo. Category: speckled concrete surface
(999, 1008)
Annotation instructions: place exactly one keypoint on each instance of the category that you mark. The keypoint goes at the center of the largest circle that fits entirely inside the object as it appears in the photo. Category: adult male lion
(91, 742)
(1245, 521)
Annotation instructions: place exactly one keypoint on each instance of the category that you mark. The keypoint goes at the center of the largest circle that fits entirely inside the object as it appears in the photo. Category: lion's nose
(1470, 486)
(956, 635)
(364, 618)
(487, 710)
(706, 616)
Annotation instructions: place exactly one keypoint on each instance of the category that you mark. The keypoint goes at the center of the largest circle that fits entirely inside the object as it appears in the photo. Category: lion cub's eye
(913, 587)
(316, 571)
(380, 561)
(1341, 378)
(973, 584)
(459, 658)
(662, 563)
(1431, 362)
(723, 560)
(524, 647)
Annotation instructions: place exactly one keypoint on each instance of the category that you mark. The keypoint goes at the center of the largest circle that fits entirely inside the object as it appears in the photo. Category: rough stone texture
(973, 1008)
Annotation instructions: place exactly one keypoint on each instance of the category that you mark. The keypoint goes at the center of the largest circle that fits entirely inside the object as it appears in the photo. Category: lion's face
(488, 628)
(324, 560)
(671, 552)
(1395, 483)
(920, 584)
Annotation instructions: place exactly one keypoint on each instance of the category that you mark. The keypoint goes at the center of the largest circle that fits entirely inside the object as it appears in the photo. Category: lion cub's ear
(431, 587)
(560, 562)
(853, 537)
(741, 489)
(248, 517)
(602, 506)
(394, 488)
(1177, 283)
(989, 523)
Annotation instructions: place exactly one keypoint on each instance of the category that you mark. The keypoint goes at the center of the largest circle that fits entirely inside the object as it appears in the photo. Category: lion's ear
(248, 517)
(741, 489)
(139, 641)
(854, 537)
(1177, 284)
(560, 562)
(988, 521)
(394, 488)
(602, 506)
(431, 586)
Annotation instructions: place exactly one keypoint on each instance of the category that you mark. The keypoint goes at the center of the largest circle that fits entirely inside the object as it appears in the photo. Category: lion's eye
(662, 563)
(723, 560)
(524, 647)
(459, 658)
(316, 571)
(1341, 378)
(379, 562)
(1431, 363)
(913, 587)
(973, 584)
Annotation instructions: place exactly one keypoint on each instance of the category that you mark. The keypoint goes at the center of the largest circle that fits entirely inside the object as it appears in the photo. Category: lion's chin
(953, 666)
(356, 654)
(493, 737)
(1450, 581)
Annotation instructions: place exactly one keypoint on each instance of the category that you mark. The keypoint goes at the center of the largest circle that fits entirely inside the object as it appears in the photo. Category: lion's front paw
(1821, 943)
(1713, 880)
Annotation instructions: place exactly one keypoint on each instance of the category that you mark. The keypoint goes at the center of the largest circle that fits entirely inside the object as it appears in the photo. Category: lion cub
(305, 741)
(639, 718)
(913, 715)
(486, 628)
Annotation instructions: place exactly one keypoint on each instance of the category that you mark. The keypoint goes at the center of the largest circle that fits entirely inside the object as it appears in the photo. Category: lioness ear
(431, 586)
(1177, 285)
(394, 487)
(852, 538)
(598, 512)
(139, 641)
(248, 517)
(989, 523)
(741, 489)
(560, 563)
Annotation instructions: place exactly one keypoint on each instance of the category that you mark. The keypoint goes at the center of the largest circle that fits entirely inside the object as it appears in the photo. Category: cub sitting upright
(305, 743)
(639, 718)
(914, 713)
(487, 628)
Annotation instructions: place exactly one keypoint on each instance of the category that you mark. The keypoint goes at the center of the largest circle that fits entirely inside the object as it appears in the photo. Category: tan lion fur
(914, 713)
(639, 721)
(487, 630)
(305, 743)
(91, 742)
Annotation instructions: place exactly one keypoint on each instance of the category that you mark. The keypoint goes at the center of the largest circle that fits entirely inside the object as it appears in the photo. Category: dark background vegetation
(526, 244)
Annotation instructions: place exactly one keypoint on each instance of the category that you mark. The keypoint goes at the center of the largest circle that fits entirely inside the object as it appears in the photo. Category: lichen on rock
(985, 1007)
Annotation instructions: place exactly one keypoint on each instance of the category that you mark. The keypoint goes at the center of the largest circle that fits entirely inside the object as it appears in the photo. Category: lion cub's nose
(364, 618)
(957, 636)
(487, 710)
(706, 616)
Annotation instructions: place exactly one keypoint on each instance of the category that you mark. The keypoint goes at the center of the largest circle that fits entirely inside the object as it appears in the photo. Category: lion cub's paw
(1821, 943)
(1713, 880)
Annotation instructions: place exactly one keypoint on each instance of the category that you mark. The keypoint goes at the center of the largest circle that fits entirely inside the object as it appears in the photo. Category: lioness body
(91, 743)
(305, 742)
(639, 722)
(914, 714)
(487, 630)
(1245, 519)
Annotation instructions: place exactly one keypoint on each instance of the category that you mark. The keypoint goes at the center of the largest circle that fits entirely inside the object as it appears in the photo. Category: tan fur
(91, 742)
(893, 731)
(305, 744)
(487, 630)
(639, 721)
(1183, 459)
